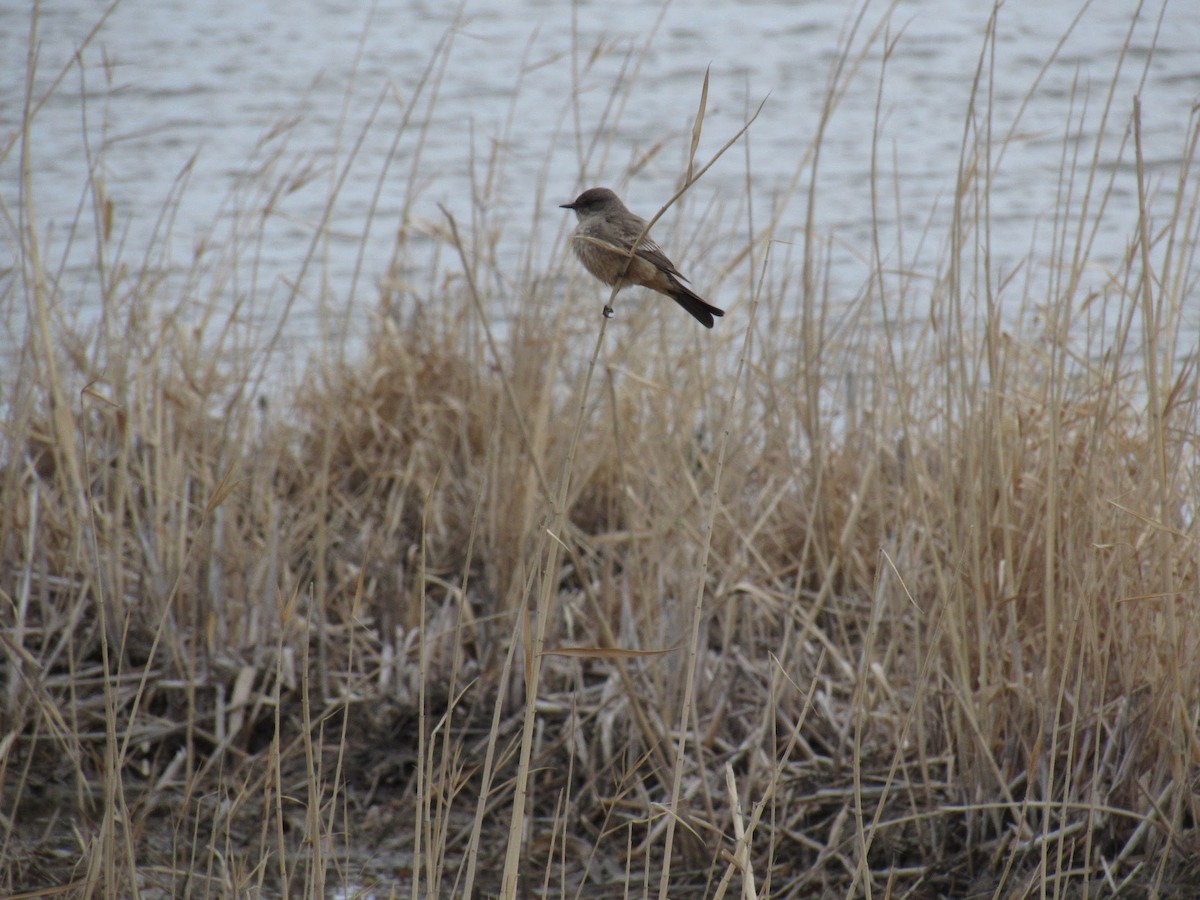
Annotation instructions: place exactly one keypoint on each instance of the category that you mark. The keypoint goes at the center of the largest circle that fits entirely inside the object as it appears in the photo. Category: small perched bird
(602, 239)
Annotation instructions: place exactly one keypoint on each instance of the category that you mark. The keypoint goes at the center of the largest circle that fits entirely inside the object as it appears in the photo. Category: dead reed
(820, 611)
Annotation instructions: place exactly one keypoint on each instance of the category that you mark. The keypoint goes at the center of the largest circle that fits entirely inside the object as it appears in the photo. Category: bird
(602, 239)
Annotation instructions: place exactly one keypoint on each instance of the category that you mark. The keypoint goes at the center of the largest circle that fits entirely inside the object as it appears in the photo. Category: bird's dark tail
(696, 305)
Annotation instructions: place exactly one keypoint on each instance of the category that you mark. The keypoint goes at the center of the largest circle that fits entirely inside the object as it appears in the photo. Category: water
(179, 90)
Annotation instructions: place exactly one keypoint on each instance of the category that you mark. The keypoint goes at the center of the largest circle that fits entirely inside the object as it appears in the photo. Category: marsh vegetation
(884, 595)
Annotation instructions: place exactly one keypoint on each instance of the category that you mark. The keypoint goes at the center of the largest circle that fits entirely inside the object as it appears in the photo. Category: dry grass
(923, 631)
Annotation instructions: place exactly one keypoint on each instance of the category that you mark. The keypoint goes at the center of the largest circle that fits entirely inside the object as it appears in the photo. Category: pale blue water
(175, 86)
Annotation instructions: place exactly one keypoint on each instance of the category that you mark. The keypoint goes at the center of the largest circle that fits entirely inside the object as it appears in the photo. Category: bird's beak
(566, 206)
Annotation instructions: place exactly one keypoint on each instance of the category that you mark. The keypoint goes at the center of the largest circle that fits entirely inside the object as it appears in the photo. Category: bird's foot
(608, 311)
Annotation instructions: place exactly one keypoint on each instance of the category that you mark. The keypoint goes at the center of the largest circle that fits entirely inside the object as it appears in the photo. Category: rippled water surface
(208, 102)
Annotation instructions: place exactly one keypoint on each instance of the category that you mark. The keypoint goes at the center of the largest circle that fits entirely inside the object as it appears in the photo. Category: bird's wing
(652, 253)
